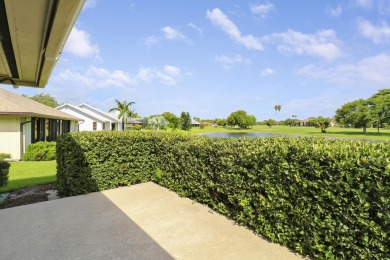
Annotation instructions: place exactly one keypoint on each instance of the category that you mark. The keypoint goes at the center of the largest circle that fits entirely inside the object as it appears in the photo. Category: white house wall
(108, 120)
(10, 136)
(87, 125)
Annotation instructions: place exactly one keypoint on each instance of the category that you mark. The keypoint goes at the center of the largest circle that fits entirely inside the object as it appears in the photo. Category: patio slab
(144, 221)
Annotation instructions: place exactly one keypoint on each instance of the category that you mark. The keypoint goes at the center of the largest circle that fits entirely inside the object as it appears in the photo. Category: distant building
(195, 123)
(137, 121)
(305, 122)
(93, 119)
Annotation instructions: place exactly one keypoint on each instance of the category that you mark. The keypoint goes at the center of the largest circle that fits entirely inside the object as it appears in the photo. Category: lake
(236, 135)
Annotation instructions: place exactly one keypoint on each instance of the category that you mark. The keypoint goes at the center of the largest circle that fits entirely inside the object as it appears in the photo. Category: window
(94, 126)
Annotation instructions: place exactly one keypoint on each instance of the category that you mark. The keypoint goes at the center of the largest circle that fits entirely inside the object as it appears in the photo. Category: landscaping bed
(28, 195)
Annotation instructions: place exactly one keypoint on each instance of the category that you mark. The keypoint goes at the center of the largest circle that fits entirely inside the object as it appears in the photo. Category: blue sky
(211, 58)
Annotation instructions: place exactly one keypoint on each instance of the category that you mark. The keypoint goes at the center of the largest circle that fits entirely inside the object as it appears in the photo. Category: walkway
(143, 221)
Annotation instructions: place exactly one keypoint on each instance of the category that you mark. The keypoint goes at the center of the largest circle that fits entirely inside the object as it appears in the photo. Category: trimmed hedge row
(323, 198)
(40, 151)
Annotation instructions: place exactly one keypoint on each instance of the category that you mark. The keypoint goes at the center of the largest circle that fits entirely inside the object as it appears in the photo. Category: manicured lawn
(304, 131)
(24, 174)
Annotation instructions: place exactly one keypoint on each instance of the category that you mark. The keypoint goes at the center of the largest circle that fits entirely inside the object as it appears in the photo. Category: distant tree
(186, 122)
(124, 109)
(222, 122)
(291, 122)
(356, 113)
(45, 99)
(379, 104)
(321, 122)
(277, 109)
(241, 119)
(270, 122)
(174, 121)
(158, 122)
(197, 119)
(132, 114)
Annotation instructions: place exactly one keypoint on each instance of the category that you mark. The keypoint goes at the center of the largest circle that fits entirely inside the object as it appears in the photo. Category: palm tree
(124, 109)
(277, 109)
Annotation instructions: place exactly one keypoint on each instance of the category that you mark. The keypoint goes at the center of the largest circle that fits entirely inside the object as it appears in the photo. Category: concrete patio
(144, 221)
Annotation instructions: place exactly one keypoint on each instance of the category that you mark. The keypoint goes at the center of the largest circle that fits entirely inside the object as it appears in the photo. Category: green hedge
(323, 198)
(40, 151)
(4, 169)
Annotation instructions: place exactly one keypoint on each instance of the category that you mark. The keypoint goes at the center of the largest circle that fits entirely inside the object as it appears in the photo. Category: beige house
(24, 121)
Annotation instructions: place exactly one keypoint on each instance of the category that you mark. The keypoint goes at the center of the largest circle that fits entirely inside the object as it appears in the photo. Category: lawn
(24, 174)
(351, 133)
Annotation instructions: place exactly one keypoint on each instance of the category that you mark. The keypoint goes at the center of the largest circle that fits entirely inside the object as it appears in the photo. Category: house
(94, 119)
(306, 122)
(24, 121)
(195, 123)
(137, 121)
(303, 122)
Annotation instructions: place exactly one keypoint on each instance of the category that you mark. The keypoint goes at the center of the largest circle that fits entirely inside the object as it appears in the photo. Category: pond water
(236, 135)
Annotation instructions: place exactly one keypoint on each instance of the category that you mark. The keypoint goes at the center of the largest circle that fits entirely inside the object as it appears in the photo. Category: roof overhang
(32, 36)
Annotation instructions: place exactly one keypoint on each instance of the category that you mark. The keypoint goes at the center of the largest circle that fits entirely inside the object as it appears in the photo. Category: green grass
(24, 174)
(351, 133)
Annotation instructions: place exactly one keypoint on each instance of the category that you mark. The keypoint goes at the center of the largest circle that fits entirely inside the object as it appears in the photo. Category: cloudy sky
(211, 58)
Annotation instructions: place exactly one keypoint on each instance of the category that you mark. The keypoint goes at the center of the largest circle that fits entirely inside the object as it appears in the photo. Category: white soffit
(32, 35)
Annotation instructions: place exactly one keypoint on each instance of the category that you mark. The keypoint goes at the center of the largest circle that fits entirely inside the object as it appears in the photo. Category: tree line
(360, 113)
(365, 112)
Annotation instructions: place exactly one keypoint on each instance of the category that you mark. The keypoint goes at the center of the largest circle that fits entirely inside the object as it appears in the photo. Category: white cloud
(323, 44)
(267, 72)
(377, 34)
(172, 70)
(80, 45)
(151, 41)
(261, 9)
(145, 74)
(199, 30)
(229, 62)
(172, 34)
(169, 75)
(369, 72)
(219, 19)
(68, 75)
(335, 12)
(364, 3)
(95, 77)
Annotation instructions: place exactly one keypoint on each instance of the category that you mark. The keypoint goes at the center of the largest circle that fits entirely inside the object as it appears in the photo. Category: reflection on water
(235, 135)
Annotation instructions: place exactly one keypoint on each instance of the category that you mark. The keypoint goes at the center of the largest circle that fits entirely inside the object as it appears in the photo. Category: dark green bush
(4, 169)
(40, 151)
(323, 198)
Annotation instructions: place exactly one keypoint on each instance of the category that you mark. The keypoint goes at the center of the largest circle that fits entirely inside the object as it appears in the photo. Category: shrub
(203, 125)
(323, 198)
(4, 169)
(4, 156)
(137, 127)
(40, 151)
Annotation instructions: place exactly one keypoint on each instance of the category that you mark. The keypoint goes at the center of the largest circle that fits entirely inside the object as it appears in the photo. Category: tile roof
(14, 104)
